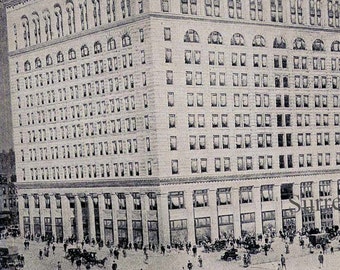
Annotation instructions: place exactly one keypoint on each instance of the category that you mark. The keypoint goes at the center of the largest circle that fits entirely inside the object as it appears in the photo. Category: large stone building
(174, 120)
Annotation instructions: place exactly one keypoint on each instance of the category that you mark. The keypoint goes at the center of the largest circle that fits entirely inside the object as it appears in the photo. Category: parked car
(231, 254)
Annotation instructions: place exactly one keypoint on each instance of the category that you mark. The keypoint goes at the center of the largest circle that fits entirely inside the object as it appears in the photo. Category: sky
(6, 141)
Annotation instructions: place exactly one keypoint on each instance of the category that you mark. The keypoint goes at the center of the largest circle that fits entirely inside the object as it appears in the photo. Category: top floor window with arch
(237, 39)
(71, 54)
(27, 66)
(111, 44)
(299, 44)
(318, 45)
(70, 17)
(259, 41)
(26, 26)
(335, 47)
(215, 38)
(36, 23)
(279, 43)
(59, 20)
(97, 47)
(60, 57)
(126, 40)
(84, 50)
(191, 36)
(37, 62)
(49, 60)
(48, 25)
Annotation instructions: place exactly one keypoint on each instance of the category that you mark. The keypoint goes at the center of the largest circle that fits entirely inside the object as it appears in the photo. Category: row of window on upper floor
(84, 51)
(258, 41)
(53, 27)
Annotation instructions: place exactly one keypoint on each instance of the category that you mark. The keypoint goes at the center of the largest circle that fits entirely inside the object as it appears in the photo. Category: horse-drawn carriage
(231, 254)
(87, 257)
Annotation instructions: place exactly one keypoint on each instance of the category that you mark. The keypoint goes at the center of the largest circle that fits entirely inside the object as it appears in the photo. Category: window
(167, 34)
(174, 166)
(318, 45)
(84, 51)
(121, 201)
(325, 188)
(215, 38)
(246, 195)
(212, 8)
(136, 201)
(165, 5)
(191, 36)
(299, 44)
(107, 201)
(223, 196)
(71, 54)
(152, 200)
(276, 10)
(200, 198)
(306, 189)
(111, 44)
(189, 7)
(237, 39)
(267, 193)
(173, 143)
(126, 40)
(256, 10)
(259, 41)
(286, 191)
(176, 200)
(279, 43)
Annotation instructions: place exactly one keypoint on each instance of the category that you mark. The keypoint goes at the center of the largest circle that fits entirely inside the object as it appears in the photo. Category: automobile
(9, 257)
(231, 254)
(73, 252)
(319, 239)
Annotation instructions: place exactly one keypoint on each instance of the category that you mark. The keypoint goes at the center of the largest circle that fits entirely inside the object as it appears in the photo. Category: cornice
(167, 181)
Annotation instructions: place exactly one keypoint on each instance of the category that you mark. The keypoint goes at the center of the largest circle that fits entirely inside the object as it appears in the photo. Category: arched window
(59, 20)
(259, 41)
(49, 60)
(215, 38)
(26, 26)
(279, 43)
(111, 44)
(335, 46)
(299, 44)
(70, 17)
(36, 23)
(97, 47)
(27, 66)
(60, 57)
(84, 51)
(48, 25)
(126, 40)
(237, 39)
(191, 36)
(83, 15)
(96, 12)
(71, 54)
(37, 62)
(318, 45)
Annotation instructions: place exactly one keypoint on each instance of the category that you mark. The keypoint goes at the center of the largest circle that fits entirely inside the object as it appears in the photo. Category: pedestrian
(114, 265)
(278, 266)
(146, 257)
(189, 265)
(82, 244)
(72, 259)
(283, 262)
(40, 254)
(194, 250)
(124, 253)
(53, 248)
(320, 258)
(59, 266)
(332, 250)
(163, 250)
(65, 247)
(200, 261)
(88, 266)
(78, 263)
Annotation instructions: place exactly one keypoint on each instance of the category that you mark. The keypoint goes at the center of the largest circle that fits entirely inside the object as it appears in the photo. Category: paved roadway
(175, 260)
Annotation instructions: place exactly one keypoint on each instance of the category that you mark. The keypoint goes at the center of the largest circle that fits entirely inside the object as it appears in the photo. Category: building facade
(175, 120)
(8, 194)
